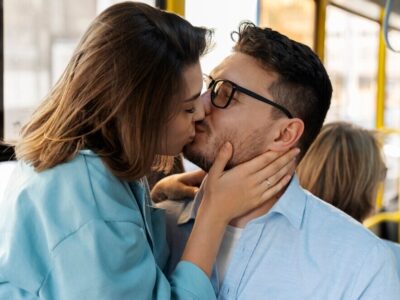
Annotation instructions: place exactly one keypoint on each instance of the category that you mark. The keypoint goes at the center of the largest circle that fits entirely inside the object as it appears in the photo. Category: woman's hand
(178, 186)
(233, 193)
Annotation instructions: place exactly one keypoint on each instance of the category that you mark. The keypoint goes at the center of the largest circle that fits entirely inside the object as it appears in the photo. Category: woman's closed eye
(191, 110)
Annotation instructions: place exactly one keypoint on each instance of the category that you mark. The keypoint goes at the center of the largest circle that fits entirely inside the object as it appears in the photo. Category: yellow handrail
(382, 217)
(388, 130)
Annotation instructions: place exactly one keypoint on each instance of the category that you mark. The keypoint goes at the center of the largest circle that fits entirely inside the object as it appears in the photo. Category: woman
(344, 167)
(76, 222)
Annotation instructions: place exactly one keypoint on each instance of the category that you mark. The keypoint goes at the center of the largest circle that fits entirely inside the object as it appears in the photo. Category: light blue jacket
(77, 232)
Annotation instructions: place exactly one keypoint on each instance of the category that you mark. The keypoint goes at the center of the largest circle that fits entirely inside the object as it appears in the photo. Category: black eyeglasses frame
(235, 87)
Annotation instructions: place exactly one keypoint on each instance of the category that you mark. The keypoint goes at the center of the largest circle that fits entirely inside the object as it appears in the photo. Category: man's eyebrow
(194, 97)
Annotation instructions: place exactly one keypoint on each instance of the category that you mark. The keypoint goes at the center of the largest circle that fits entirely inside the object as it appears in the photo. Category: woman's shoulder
(64, 197)
(76, 205)
(49, 188)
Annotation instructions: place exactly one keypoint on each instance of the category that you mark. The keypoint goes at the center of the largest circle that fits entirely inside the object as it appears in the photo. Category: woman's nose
(205, 99)
(199, 111)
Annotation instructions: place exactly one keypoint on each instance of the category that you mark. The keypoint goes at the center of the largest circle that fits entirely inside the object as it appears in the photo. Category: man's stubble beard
(203, 155)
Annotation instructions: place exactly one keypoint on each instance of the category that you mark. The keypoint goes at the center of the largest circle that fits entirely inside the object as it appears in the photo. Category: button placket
(242, 256)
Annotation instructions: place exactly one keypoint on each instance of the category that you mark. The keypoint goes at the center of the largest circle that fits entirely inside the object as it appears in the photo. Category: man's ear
(288, 133)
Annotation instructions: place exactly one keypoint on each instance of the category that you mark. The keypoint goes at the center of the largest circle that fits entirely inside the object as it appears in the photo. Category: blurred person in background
(344, 167)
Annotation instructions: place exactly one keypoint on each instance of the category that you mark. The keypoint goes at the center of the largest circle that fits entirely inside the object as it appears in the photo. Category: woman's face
(180, 128)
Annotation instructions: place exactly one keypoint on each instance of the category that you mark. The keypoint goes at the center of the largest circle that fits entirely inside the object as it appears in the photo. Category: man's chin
(191, 153)
(201, 160)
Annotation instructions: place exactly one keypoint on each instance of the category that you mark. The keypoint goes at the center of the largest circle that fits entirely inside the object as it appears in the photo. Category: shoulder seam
(71, 234)
(362, 263)
(55, 246)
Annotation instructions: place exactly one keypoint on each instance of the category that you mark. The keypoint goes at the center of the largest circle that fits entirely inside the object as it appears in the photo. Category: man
(273, 93)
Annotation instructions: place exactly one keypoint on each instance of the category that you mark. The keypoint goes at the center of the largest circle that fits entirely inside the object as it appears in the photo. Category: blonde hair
(117, 92)
(344, 167)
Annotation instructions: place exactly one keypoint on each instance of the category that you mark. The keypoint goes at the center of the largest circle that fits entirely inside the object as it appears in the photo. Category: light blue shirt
(395, 247)
(77, 232)
(303, 248)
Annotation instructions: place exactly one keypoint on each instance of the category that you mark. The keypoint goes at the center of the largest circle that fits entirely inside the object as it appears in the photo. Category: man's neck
(257, 212)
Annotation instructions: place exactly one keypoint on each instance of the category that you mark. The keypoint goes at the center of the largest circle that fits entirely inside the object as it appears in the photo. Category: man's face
(247, 122)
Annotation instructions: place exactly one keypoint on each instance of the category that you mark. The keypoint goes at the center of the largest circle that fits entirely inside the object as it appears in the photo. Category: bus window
(39, 38)
(224, 17)
(351, 51)
(392, 87)
(294, 18)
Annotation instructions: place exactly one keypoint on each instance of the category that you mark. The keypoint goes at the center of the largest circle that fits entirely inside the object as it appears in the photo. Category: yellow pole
(380, 94)
(379, 196)
(320, 18)
(176, 6)
(398, 210)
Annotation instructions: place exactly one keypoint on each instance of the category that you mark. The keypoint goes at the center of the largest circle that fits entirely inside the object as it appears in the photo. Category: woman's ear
(288, 134)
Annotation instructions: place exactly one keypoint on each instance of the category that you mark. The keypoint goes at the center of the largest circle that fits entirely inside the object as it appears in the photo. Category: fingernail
(226, 146)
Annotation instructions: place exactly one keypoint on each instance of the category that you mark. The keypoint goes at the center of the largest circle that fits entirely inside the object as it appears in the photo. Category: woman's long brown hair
(117, 92)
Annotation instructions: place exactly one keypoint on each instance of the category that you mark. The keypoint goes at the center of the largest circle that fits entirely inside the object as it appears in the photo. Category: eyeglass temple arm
(258, 97)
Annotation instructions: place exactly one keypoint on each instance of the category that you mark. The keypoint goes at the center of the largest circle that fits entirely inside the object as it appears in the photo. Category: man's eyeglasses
(222, 92)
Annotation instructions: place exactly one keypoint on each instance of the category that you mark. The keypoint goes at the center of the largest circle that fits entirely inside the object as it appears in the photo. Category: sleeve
(377, 278)
(112, 260)
(177, 235)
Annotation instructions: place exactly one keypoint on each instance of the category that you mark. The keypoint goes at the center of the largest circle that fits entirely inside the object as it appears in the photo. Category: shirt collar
(87, 152)
(291, 205)
(191, 207)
